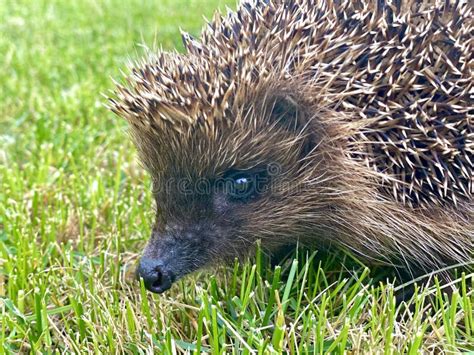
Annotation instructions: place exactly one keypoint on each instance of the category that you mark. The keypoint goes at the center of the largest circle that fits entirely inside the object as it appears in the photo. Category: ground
(75, 211)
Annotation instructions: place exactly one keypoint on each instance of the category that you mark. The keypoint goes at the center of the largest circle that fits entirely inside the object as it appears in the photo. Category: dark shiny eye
(242, 186)
(245, 185)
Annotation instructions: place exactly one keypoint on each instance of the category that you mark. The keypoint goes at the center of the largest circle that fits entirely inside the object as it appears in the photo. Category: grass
(75, 212)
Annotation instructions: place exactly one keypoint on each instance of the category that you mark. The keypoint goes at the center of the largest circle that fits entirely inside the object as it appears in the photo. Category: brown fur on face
(355, 115)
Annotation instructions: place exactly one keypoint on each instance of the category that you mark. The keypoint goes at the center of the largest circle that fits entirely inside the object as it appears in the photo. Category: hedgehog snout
(171, 254)
(155, 274)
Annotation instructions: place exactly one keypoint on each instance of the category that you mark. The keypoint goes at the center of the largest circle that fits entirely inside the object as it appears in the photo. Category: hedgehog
(341, 125)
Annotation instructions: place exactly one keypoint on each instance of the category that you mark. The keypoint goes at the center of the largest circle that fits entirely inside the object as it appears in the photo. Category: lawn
(76, 209)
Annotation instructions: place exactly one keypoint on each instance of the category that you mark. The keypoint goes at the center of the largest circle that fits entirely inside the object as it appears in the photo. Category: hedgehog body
(340, 122)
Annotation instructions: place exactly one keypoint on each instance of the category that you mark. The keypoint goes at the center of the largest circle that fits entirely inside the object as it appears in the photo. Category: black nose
(155, 276)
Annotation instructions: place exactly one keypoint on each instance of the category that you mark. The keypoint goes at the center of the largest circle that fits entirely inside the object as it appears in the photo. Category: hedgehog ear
(286, 112)
(290, 114)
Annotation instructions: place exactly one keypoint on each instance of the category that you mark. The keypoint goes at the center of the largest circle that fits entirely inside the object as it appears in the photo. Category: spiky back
(404, 69)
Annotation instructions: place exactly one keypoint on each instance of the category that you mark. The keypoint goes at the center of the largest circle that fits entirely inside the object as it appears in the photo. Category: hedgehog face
(382, 164)
(217, 194)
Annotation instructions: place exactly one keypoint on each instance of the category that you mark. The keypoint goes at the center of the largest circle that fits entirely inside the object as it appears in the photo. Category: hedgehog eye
(242, 187)
(245, 185)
